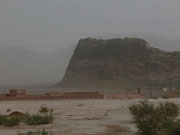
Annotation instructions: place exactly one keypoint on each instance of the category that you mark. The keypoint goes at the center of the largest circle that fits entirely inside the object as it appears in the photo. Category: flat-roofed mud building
(16, 92)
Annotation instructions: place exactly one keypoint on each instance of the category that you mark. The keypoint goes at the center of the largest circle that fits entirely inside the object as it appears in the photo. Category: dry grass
(88, 118)
(80, 104)
(116, 130)
(92, 118)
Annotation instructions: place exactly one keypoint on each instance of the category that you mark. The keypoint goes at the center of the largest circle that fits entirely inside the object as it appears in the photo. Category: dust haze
(38, 37)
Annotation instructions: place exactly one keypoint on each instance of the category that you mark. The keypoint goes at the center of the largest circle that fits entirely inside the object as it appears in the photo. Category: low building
(17, 92)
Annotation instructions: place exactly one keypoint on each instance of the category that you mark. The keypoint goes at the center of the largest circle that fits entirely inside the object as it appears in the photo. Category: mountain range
(20, 66)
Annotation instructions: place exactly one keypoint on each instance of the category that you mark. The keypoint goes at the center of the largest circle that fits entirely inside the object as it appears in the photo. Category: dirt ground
(79, 117)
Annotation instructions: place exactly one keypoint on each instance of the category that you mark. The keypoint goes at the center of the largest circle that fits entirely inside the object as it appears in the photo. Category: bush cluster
(156, 120)
(9, 120)
(43, 117)
(38, 119)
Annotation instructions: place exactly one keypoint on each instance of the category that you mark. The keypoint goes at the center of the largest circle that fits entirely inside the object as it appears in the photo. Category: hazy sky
(47, 25)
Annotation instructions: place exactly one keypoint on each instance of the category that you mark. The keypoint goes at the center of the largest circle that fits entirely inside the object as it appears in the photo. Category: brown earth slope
(121, 64)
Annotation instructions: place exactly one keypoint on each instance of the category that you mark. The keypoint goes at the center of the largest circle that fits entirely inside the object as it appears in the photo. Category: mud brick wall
(73, 95)
(83, 95)
(123, 96)
(77, 95)
(173, 95)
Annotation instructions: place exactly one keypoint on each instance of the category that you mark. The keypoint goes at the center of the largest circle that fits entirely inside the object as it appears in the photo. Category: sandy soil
(78, 117)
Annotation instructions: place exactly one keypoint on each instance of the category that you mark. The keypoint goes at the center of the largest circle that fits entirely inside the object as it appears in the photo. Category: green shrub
(44, 132)
(38, 119)
(11, 121)
(175, 130)
(2, 119)
(151, 120)
(8, 110)
(44, 110)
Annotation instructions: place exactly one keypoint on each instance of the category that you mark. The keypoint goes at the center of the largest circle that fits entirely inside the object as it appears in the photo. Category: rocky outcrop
(120, 63)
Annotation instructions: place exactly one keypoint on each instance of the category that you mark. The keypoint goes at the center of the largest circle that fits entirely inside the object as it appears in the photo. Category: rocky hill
(121, 64)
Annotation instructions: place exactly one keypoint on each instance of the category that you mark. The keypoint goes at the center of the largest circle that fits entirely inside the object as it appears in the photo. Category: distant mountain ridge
(120, 63)
(20, 66)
